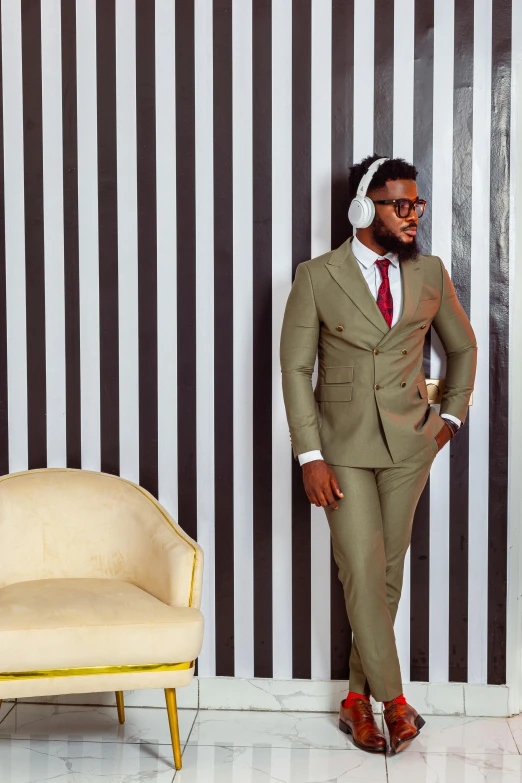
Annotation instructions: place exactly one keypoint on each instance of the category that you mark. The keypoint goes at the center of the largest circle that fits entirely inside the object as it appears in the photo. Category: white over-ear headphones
(362, 208)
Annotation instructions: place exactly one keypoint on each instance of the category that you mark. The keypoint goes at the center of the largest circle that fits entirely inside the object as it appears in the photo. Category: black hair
(394, 168)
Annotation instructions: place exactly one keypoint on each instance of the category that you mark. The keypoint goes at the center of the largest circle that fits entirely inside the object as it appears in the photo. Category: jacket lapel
(346, 272)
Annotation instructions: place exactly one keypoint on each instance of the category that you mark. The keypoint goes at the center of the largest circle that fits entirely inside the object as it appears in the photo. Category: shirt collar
(367, 257)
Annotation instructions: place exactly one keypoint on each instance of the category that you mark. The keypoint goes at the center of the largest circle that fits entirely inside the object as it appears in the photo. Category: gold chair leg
(119, 705)
(172, 711)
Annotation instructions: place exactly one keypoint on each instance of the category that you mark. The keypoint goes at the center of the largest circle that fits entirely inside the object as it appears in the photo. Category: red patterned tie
(384, 297)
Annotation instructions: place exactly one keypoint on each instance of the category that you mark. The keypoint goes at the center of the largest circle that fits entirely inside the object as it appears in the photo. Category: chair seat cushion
(74, 623)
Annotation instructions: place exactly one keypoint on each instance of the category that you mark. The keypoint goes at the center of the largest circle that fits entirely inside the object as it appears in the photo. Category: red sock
(397, 700)
(352, 696)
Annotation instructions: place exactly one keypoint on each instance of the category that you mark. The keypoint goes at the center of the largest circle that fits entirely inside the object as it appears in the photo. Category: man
(366, 436)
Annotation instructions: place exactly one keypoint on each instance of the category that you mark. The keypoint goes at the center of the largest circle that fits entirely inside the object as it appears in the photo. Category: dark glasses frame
(397, 202)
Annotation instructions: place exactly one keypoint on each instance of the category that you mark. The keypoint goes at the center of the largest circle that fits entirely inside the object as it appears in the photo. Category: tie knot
(383, 264)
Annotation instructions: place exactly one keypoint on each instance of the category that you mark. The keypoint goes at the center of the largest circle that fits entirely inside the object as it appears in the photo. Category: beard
(392, 243)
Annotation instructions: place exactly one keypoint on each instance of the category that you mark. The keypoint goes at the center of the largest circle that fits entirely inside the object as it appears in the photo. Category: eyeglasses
(404, 206)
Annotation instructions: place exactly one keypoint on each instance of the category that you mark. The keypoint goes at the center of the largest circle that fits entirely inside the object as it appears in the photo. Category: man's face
(396, 234)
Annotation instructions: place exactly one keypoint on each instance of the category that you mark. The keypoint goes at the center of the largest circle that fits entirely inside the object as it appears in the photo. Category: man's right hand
(320, 484)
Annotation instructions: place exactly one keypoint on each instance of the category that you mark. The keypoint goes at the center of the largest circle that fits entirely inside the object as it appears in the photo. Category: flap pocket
(423, 389)
(338, 374)
(333, 393)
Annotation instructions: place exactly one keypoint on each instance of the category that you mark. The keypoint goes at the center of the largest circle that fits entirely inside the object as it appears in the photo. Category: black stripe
(34, 234)
(301, 250)
(423, 112)
(147, 244)
(383, 78)
(422, 158)
(186, 267)
(499, 340)
(4, 405)
(70, 227)
(262, 336)
(342, 158)
(461, 276)
(223, 339)
(108, 235)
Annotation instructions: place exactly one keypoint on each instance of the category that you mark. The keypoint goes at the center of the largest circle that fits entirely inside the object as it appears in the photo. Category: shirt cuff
(309, 456)
(451, 418)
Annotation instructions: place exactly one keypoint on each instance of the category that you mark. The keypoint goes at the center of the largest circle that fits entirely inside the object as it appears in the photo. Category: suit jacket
(371, 400)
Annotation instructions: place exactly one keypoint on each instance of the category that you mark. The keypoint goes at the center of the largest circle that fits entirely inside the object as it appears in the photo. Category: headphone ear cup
(368, 213)
(361, 212)
(356, 212)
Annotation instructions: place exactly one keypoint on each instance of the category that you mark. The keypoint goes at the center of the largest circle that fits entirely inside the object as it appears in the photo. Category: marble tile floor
(73, 744)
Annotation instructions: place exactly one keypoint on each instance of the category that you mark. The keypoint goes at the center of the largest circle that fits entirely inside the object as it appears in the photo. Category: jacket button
(340, 328)
(404, 351)
(424, 326)
(376, 387)
(376, 351)
(403, 385)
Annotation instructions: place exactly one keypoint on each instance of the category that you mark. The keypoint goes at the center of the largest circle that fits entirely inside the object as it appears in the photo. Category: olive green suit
(369, 415)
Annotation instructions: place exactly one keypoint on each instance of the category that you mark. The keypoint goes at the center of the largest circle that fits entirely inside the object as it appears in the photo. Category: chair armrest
(170, 563)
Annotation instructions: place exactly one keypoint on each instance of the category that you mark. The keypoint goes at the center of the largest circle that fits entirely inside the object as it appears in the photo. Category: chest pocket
(427, 308)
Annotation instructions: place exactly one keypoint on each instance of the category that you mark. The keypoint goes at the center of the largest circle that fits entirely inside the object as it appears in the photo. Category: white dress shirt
(366, 259)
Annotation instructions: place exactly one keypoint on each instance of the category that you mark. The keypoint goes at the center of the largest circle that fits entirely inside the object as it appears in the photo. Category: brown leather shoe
(358, 721)
(404, 724)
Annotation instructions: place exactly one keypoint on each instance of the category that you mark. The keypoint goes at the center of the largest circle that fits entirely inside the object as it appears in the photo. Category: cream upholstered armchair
(99, 590)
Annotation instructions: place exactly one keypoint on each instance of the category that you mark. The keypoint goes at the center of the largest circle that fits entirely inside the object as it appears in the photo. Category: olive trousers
(371, 533)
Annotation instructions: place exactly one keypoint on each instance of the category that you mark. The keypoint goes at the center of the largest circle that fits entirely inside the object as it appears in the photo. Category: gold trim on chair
(157, 506)
(93, 670)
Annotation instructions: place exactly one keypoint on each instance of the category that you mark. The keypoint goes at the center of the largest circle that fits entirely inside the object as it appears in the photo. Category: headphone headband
(362, 209)
(365, 181)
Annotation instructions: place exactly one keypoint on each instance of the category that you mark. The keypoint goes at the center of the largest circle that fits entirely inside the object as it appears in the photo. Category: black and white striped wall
(164, 166)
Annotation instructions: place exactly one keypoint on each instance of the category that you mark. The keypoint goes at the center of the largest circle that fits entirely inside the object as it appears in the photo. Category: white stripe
(283, 760)
(53, 232)
(236, 772)
(205, 761)
(442, 189)
(404, 36)
(321, 176)
(127, 237)
(514, 610)
(167, 255)
(403, 78)
(479, 412)
(88, 233)
(243, 341)
(14, 235)
(363, 87)
(205, 321)
(281, 283)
